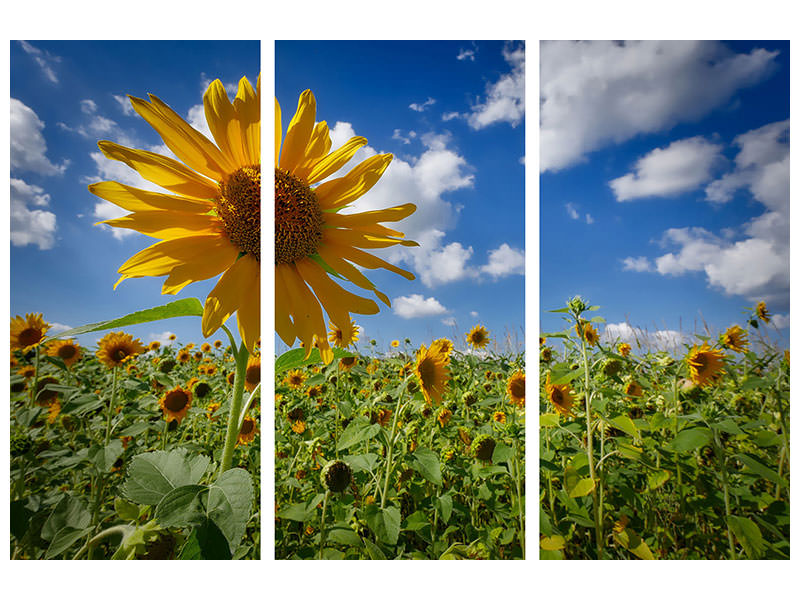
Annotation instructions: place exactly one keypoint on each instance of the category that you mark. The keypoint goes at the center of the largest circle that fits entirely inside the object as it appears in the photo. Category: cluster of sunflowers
(660, 455)
(402, 454)
(80, 418)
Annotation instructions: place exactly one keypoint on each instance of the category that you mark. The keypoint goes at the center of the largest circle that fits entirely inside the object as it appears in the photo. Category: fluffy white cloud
(780, 321)
(589, 219)
(406, 139)
(465, 54)
(504, 261)
(197, 119)
(28, 148)
(572, 211)
(681, 167)
(44, 59)
(417, 306)
(640, 264)
(449, 116)
(600, 92)
(125, 105)
(421, 106)
(505, 98)
(473, 314)
(663, 339)
(58, 328)
(30, 224)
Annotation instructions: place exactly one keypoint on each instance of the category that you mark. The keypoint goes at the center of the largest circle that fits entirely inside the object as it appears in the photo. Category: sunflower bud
(576, 305)
(336, 476)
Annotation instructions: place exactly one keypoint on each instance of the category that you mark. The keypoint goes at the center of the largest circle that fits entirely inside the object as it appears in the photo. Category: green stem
(598, 528)
(232, 433)
(724, 470)
(111, 405)
(390, 449)
(35, 379)
(322, 524)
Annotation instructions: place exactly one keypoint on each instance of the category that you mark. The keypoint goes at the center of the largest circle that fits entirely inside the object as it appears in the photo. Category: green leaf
(295, 358)
(357, 431)
(384, 522)
(766, 438)
(553, 542)
(134, 430)
(626, 425)
(187, 307)
(68, 513)
(634, 544)
(748, 535)
(426, 463)
(691, 439)
(375, 553)
(181, 507)
(761, 470)
(416, 521)
(154, 474)
(344, 536)
(445, 502)
(548, 420)
(582, 487)
(229, 501)
(127, 511)
(362, 462)
(80, 405)
(502, 454)
(655, 479)
(206, 542)
(104, 457)
(20, 519)
(63, 539)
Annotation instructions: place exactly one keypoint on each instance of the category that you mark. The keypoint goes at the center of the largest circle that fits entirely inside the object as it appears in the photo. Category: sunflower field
(116, 452)
(400, 454)
(655, 455)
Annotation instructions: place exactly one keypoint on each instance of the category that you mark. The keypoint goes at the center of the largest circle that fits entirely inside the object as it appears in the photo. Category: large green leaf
(384, 522)
(357, 431)
(181, 506)
(748, 535)
(691, 439)
(154, 474)
(187, 307)
(229, 501)
(426, 463)
(295, 358)
(104, 457)
(761, 470)
(206, 542)
(68, 513)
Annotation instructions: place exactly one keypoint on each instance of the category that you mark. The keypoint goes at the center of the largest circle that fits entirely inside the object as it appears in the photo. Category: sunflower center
(30, 336)
(118, 355)
(700, 362)
(66, 352)
(556, 396)
(253, 374)
(348, 361)
(247, 427)
(176, 400)
(427, 372)
(240, 209)
(298, 219)
(518, 388)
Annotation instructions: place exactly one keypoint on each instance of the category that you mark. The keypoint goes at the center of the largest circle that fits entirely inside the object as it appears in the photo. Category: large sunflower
(26, 333)
(516, 389)
(116, 347)
(560, 396)
(211, 222)
(313, 238)
(66, 350)
(705, 364)
(432, 373)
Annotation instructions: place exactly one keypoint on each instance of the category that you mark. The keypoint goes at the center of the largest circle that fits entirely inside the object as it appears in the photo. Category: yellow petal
(167, 225)
(160, 258)
(248, 317)
(335, 160)
(299, 131)
(361, 240)
(344, 190)
(338, 302)
(348, 271)
(227, 295)
(304, 306)
(365, 259)
(134, 199)
(163, 171)
(370, 217)
(224, 123)
(211, 265)
(248, 108)
(278, 131)
(318, 146)
(283, 323)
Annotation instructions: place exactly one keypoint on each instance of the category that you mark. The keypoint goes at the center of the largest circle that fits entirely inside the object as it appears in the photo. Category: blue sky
(65, 96)
(452, 113)
(664, 184)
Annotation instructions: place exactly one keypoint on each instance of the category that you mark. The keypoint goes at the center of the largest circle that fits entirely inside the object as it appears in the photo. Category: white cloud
(662, 339)
(421, 106)
(417, 306)
(600, 92)
(28, 147)
(162, 337)
(589, 219)
(681, 167)
(44, 59)
(465, 54)
(232, 87)
(58, 328)
(572, 211)
(197, 119)
(29, 223)
(436, 264)
(640, 264)
(449, 116)
(125, 105)
(406, 139)
(504, 261)
(505, 98)
(780, 321)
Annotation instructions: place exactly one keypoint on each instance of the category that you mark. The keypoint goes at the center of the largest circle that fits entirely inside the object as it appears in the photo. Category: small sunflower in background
(478, 337)
(295, 379)
(217, 344)
(66, 350)
(516, 389)
(560, 396)
(27, 371)
(735, 338)
(205, 347)
(432, 373)
(183, 356)
(299, 427)
(499, 416)
(624, 349)
(27, 332)
(248, 431)
(115, 348)
(343, 338)
(347, 362)
(587, 332)
(762, 312)
(444, 416)
(705, 364)
(176, 403)
(45, 397)
(395, 343)
(172, 337)
(252, 376)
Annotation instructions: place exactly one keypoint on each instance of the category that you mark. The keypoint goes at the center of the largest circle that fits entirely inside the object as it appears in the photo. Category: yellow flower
(395, 343)
(205, 347)
(252, 375)
(478, 337)
(154, 345)
(633, 389)
(313, 236)
(347, 362)
(432, 373)
(735, 338)
(172, 337)
(443, 346)
(560, 396)
(762, 312)
(444, 416)
(340, 338)
(27, 371)
(115, 348)
(624, 349)
(184, 356)
(53, 412)
(295, 379)
(499, 416)
(217, 343)
(248, 431)
(585, 330)
(210, 222)
(176, 403)
(705, 364)
(211, 409)
(299, 426)
(516, 389)
(28, 332)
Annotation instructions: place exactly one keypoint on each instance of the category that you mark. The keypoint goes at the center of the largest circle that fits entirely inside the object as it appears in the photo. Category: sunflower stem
(231, 434)
(35, 379)
(111, 405)
(391, 448)
(322, 524)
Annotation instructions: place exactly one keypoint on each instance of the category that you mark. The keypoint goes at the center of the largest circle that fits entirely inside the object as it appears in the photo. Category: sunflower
(231, 377)
(295, 379)
(248, 431)
(343, 338)
(217, 343)
(252, 376)
(432, 373)
(443, 346)
(444, 416)
(395, 343)
(66, 350)
(624, 349)
(212, 370)
(184, 356)
(210, 223)
(154, 345)
(499, 416)
(172, 337)
(632, 388)
(560, 397)
(53, 412)
(585, 331)
(45, 397)
(27, 371)
(478, 337)
(735, 338)
(705, 364)
(762, 312)
(312, 235)
(516, 389)
(347, 362)
(176, 403)
(116, 347)
(299, 426)
(28, 332)
(315, 392)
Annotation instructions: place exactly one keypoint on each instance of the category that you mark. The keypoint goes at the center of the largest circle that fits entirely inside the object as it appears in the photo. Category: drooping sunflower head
(209, 222)
(432, 373)
(27, 332)
(66, 350)
(315, 237)
(295, 379)
(586, 331)
(336, 475)
(342, 338)
(762, 312)
(516, 389)
(176, 403)
(478, 337)
(483, 446)
(44, 395)
(444, 416)
(248, 431)
(116, 348)
(252, 375)
(560, 396)
(705, 364)
(735, 338)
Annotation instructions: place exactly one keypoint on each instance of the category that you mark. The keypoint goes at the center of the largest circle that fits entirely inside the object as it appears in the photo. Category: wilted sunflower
(632, 388)
(66, 350)
(313, 237)
(762, 312)
(560, 396)
(444, 416)
(116, 347)
(295, 379)
(624, 349)
(585, 331)
(705, 364)
(735, 338)
(343, 338)
(176, 403)
(26, 333)
(248, 431)
(252, 376)
(478, 337)
(210, 223)
(516, 389)
(432, 373)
